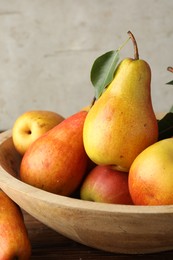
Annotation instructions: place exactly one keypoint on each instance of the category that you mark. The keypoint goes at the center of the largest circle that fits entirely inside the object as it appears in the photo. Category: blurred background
(47, 48)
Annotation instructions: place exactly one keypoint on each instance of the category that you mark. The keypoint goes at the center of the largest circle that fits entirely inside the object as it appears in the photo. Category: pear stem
(136, 53)
(170, 69)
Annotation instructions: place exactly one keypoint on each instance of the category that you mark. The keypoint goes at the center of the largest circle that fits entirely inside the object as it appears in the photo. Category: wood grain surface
(47, 244)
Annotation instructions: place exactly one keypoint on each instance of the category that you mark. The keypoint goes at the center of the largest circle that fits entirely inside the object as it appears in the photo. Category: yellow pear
(151, 175)
(122, 123)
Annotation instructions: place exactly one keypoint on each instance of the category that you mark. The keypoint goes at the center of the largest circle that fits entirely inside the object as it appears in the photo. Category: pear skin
(14, 239)
(122, 123)
(57, 161)
(151, 175)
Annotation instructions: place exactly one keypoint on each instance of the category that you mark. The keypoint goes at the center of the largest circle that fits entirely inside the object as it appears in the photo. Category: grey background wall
(47, 48)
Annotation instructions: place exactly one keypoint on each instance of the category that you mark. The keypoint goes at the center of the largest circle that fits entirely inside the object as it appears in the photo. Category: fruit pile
(113, 151)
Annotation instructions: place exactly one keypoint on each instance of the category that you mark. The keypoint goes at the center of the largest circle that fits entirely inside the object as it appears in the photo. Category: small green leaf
(166, 126)
(102, 71)
(170, 82)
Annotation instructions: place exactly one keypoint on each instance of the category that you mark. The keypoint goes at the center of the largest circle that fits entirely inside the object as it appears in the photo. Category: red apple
(103, 184)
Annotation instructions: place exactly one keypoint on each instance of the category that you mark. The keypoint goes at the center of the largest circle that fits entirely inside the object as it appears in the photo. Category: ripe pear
(122, 123)
(14, 240)
(151, 175)
(57, 161)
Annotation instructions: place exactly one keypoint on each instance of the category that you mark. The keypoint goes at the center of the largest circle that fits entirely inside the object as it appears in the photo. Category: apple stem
(170, 69)
(136, 53)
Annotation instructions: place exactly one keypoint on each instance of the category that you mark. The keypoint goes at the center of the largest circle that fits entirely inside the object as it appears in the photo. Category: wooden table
(50, 245)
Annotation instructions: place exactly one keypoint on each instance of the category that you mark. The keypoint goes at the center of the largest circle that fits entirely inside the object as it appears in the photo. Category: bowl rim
(7, 180)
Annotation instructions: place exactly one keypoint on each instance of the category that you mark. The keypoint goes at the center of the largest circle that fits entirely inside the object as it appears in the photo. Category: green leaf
(102, 71)
(170, 82)
(166, 126)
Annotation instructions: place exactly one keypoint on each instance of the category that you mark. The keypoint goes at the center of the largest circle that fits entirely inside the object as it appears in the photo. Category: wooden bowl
(113, 228)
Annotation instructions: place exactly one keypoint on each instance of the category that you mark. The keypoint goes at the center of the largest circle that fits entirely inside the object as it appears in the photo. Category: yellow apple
(31, 125)
(14, 240)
